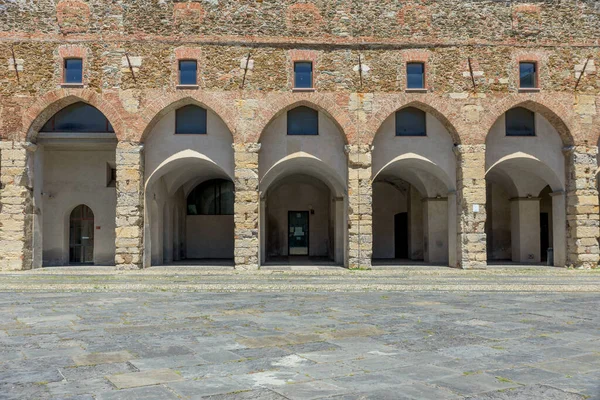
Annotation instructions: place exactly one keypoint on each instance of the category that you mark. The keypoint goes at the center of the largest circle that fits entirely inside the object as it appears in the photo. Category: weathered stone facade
(245, 55)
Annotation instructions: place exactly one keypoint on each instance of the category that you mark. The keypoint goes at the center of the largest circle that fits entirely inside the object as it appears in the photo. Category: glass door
(298, 233)
(81, 236)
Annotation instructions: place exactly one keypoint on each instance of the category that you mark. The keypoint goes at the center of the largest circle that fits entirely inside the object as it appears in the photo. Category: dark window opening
(303, 121)
(411, 121)
(520, 122)
(78, 117)
(303, 78)
(73, 70)
(214, 197)
(111, 176)
(188, 72)
(190, 120)
(415, 75)
(527, 75)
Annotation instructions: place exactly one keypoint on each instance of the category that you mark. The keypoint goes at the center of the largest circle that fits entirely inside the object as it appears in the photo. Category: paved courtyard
(297, 344)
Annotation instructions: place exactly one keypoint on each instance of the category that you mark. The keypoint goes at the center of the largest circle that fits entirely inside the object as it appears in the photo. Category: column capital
(130, 146)
(468, 148)
(358, 148)
(246, 147)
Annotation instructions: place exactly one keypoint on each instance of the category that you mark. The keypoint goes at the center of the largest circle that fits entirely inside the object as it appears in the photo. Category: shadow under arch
(341, 122)
(302, 163)
(556, 114)
(157, 110)
(38, 114)
(376, 121)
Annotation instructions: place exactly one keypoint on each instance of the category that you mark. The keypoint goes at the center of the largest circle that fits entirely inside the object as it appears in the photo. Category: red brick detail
(304, 16)
(188, 12)
(45, 107)
(554, 110)
(303, 55)
(72, 51)
(388, 105)
(188, 53)
(277, 105)
(416, 56)
(223, 106)
(73, 16)
(527, 18)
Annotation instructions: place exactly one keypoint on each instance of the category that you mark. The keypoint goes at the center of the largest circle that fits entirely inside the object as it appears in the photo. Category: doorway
(298, 233)
(544, 236)
(401, 235)
(81, 236)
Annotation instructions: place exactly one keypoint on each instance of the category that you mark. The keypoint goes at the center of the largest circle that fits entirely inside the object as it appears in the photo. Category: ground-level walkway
(177, 333)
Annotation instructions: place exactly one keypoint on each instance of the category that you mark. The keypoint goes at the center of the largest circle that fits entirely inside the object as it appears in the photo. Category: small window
(73, 70)
(188, 72)
(302, 121)
(415, 76)
(527, 75)
(111, 176)
(214, 197)
(520, 122)
(190, 120)
(79, 118)
(411, 121)
(303, 78)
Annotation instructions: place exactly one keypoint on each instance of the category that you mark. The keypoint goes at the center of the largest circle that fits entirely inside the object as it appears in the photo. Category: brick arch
(554, 111)
(158, 108)
(278, 106)
(52, 102)
(432, 107)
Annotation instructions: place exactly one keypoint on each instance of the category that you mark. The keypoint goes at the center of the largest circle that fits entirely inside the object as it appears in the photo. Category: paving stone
(525, 375)
(94, 371)
(145, 393)
(568, 367)
(528, 393)
(473, 384)
(310, 390)
(144, 378)
(31, 376)
(257, 394)
(102, 358)
(207, 387)
(168, 362)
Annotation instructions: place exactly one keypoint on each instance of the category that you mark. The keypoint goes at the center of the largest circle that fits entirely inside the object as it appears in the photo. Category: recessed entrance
(81, 236)
(401, 235)
(298, 241)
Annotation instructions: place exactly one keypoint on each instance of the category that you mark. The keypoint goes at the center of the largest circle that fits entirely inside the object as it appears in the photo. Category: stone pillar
(435, 218)
(247, 206)
(360, 204)
(582, 207)
(559, 228)
(129, 238)
(16, 212)
(470, 200)
(452, 233)
(525, 229)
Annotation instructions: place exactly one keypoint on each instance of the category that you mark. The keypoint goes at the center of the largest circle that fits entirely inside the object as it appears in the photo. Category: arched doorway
(189, 193)
(74, 164)
(303, 175)
(414, 206)
(525, 186)
(81, 235)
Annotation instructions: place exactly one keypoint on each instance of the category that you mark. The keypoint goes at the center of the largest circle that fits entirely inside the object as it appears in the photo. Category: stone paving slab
(300, 345)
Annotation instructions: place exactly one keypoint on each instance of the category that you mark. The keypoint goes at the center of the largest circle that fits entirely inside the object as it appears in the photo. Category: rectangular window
(411, 121)
(303, 121)
(527, 75)
(190, 120)
(73, 70)
(303, 78)
(188, 72)
(415, 76)
(520, 122)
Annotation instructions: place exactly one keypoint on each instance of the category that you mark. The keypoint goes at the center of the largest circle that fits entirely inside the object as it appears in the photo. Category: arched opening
(525, 200)
(192, 222)
(414, 206)
(75, 164)
(303, 175)
(81, 235)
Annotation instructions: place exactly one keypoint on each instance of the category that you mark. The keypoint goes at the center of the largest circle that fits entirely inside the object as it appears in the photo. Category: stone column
(559, 228)
(452, 232)
(129, 239)
(525, 229)
(470, 200)
(582, 207)
(360, 204)
(16, 212)
(247, 206)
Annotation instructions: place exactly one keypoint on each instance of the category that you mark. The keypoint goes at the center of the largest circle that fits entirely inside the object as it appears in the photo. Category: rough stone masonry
(359, 49)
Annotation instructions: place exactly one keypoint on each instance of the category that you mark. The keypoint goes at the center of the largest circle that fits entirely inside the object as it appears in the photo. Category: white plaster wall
(546, 146)
(525, 230)
(387, 202)
(298, 193)
(437, 147)
(209, 236)
(435, 215)
(71, 178)
(328, 146)
(499, 223)
(162, 143)
(415, 225)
